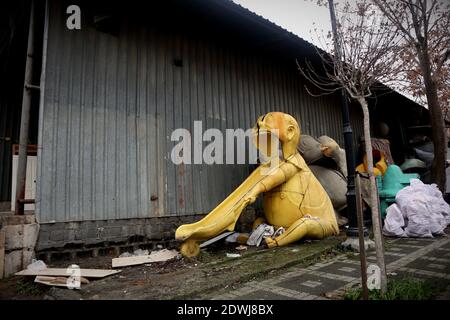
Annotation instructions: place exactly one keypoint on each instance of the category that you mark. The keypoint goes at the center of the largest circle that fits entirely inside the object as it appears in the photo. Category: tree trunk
(437, 125)
(374, 207)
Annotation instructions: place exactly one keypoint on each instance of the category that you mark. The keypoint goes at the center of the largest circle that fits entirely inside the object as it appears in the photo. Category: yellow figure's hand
(270, 242)
(249, 199)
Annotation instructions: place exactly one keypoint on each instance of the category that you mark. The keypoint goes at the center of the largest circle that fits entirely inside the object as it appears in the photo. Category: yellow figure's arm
(279, 175)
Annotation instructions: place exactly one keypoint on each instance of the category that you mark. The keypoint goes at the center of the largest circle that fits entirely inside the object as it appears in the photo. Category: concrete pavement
(420, 258)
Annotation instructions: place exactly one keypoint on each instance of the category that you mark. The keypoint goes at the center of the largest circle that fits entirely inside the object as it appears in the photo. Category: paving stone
(388, 258)
(264, 295)
(398, 248)
(439, 254)
(416, 241)
(424, 264)
(342, 268)
(447, 245)
(424, 259)
(311, 284)
(436, 282)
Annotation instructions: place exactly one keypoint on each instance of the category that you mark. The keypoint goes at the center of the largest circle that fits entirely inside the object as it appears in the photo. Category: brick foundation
(63, 240)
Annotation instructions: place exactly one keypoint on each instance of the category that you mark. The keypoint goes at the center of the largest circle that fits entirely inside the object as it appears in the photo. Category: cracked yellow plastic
(292, 197)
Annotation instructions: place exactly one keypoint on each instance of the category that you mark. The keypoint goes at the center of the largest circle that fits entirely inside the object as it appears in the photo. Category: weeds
(27, 288)
(398, 289)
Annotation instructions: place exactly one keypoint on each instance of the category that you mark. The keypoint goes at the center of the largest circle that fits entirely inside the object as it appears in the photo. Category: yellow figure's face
(275, 128)
(265, 136)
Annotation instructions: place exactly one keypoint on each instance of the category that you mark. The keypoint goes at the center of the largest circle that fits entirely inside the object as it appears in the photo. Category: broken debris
(261, 232)
(63, 272)
(215, 239)
(57, 281)
(37, 265)
(138, 252)
(155, 256)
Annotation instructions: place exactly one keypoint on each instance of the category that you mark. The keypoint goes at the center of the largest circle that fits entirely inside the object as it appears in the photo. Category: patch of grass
(398, 289)
(350, 255)
(27, 288)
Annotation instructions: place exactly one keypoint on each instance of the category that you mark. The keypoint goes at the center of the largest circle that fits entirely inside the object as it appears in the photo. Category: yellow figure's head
(275, 127)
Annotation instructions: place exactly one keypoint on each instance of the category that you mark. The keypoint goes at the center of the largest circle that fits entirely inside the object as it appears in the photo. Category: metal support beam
(352, 230)
(31, 86)
(25, 118)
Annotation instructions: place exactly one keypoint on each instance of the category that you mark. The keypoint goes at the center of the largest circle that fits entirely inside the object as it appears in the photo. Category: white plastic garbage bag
(424, 211)
(394, 222)
(37, 265)
(261, 232)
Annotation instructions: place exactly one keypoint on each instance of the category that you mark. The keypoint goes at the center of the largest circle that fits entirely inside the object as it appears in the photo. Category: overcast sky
(296, 16)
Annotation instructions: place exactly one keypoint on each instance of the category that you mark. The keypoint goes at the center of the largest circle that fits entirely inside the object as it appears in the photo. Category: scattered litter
(159, 246)
(126, 255)
(155, 256)
(148, 265)
(232, 238)
(57, 281)
(220, 236)
(295, 250)
(419, 211)
(62, 272)
(242, 238)
(279, 232)
(138, 252)
(36, 265)
(261, 232)
(241, 248)
(233, 255)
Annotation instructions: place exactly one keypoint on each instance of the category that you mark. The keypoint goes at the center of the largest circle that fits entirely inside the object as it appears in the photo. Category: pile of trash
(261, 232)
(71, 277)
(419, 211)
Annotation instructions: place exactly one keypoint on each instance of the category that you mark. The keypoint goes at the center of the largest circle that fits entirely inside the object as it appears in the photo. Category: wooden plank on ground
(62, 272)
(157, 256)
(2, 253)
(56, 281)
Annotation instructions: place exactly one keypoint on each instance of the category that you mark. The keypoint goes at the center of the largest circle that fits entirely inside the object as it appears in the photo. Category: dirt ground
(179, 278)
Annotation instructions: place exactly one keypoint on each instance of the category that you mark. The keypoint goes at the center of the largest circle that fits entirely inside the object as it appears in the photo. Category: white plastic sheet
(261, 232)
(419, 211)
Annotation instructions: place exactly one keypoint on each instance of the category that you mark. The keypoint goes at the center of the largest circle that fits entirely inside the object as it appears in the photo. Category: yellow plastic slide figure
(293, 197)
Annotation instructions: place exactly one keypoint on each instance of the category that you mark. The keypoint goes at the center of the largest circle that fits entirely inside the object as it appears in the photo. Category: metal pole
(352, 230)
(25, 118)
(362, 248)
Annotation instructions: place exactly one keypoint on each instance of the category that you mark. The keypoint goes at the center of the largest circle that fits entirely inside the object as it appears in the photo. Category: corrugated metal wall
(111, 104)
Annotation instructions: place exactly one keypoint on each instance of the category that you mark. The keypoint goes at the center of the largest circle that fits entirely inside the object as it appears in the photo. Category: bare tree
(362, 58)
(425, 27)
